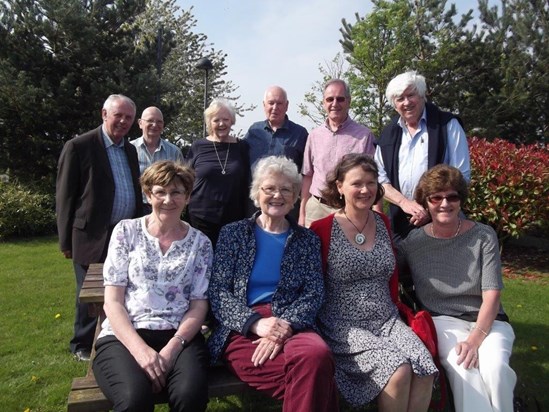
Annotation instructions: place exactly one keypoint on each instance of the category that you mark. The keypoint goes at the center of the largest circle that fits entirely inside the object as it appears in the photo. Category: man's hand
(67, 254)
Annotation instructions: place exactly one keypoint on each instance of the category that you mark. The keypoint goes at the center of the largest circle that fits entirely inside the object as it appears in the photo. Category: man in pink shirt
(327, 144)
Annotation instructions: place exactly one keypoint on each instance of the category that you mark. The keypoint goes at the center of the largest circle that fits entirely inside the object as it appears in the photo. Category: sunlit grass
(36, 316)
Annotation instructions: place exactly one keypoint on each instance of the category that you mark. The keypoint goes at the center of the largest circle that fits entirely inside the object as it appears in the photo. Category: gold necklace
(224, 165)
(455, 234)
(359, 237)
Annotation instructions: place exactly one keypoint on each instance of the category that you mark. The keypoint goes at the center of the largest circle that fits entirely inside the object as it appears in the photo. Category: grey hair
(114, 97)
(274, 165)
(275, 87)
(400, 83)
(215, 106)
(334, 81)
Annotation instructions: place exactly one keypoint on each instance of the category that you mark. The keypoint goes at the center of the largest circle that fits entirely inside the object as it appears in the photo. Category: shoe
(82, 355)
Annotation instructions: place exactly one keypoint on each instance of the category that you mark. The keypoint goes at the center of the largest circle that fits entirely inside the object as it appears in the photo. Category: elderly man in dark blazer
(97, 186)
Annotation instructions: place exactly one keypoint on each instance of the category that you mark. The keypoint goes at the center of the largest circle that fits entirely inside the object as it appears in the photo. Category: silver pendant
(360, 238)
(222, 172)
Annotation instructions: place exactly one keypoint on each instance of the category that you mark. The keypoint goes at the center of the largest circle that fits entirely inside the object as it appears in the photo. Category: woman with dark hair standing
(376, 354)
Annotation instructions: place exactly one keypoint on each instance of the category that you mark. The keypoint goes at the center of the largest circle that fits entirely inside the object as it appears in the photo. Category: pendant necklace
(455, 234)
(359, 238)
(224, 165)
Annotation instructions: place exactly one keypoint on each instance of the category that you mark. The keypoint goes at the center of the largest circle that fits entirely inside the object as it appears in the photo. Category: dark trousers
(127, 386)
(84, 324)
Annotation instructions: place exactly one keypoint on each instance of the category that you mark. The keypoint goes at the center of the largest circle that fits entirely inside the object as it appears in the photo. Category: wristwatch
(183, 341)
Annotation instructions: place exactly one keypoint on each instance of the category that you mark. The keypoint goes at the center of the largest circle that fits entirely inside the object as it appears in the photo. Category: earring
(340, 196)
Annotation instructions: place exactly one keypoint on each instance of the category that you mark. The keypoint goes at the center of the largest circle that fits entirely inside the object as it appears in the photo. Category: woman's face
(168, 200)
(359, 188)
(444, 206)
(276, 196)
(221, 123)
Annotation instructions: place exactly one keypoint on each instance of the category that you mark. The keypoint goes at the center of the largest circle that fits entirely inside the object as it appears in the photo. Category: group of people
(303, 293)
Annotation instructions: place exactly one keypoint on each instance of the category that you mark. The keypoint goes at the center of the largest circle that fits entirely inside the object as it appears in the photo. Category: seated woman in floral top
(156, 276)
(265, 292)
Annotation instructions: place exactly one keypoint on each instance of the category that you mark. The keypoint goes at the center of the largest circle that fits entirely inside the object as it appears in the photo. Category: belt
(320, 200)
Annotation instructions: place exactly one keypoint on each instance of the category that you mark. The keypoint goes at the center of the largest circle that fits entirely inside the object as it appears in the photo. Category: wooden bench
(85, 395)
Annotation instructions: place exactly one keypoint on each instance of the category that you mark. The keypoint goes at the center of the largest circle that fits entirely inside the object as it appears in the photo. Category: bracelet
(481, 330)
(180, 338)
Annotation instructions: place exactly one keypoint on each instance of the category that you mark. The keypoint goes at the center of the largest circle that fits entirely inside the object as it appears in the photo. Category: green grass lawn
(36, 315)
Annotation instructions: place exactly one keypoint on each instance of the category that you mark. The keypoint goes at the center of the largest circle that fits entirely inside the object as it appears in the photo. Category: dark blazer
(85, 196)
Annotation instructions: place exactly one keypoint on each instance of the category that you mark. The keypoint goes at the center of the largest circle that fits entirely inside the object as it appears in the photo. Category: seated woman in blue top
(265, 291)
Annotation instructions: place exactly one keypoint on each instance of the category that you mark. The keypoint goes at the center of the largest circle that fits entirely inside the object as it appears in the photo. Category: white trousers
(488, 387)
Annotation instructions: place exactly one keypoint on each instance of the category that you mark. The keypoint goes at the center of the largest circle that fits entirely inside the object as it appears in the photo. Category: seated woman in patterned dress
(265, 292)
(376, 354)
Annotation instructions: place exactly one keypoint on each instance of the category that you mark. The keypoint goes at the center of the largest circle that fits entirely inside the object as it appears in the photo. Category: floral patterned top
(159, 286)
(298, 295)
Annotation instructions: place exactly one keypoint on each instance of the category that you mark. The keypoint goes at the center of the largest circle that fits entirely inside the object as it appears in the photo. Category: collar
(293, 223)
(422, 119)
(342, 126)
(141, 142)
(285, 124)
(108, 141)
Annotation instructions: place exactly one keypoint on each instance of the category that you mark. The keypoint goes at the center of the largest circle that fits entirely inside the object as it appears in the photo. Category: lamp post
(205, 64)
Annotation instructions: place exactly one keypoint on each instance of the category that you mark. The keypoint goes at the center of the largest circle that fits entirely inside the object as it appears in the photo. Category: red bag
(422, 324)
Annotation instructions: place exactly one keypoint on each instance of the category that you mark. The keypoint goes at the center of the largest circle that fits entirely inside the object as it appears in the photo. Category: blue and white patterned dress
(360, 322)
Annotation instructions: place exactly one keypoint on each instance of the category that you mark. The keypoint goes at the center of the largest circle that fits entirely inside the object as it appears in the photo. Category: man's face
(336, 103)
(409, 105)
(152, 124)
(275, 106)
(118, 119)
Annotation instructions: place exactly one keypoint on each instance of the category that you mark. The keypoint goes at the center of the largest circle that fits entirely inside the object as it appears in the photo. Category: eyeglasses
(174, 194)
(154, 122)
(339, 99)
(271, 190)
(436, 199)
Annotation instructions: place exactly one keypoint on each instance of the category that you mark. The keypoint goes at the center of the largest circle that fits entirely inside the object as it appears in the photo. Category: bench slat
(85, 395)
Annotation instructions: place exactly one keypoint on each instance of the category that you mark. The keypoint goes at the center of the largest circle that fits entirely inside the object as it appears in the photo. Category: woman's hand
(467, 354)
(266, 349)
(168, 355)
(275, 329)
(154, 366)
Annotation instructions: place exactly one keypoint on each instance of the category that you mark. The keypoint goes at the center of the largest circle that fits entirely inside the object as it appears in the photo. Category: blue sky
(277, 42)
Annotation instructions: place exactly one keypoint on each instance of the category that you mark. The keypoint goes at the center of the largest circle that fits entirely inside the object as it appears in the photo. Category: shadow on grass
(530, 360)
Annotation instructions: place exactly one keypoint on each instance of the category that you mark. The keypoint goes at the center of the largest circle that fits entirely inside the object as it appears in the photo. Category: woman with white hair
(265, 291)
(221, 163)
(418, 138)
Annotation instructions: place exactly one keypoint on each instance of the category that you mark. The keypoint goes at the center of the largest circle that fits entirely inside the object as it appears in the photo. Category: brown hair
(164, 172)
(330, 193)
(439, 178)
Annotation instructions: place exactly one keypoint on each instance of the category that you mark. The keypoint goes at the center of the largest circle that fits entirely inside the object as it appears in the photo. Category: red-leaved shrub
(509, 186)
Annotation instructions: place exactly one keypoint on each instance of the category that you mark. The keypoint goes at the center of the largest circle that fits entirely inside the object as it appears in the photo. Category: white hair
(400, 83)
(274, 165)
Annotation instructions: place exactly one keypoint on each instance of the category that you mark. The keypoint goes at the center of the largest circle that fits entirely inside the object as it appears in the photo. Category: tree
(518, 34)
(60, 59)
(494, 76)
(398, 36)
